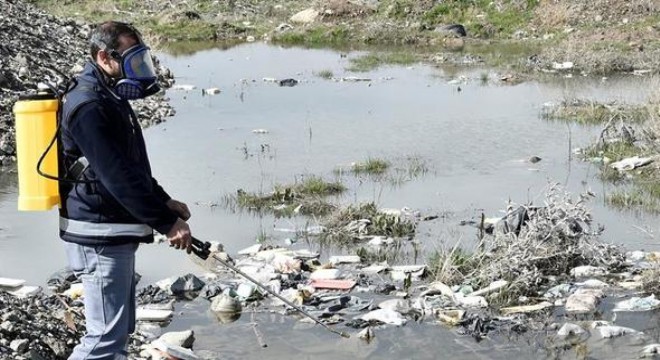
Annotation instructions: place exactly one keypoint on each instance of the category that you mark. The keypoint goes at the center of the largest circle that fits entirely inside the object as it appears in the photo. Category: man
(111, 202)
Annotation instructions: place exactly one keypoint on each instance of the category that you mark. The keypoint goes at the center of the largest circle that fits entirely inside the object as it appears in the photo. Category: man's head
(108, 41)
(118, 50)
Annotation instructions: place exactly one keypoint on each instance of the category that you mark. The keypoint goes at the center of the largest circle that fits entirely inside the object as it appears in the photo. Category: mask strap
(103, 46)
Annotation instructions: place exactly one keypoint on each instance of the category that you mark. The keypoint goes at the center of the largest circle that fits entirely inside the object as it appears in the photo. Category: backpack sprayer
(36, 133)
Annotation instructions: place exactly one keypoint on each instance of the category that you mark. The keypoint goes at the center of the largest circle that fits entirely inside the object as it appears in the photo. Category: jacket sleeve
(123, 179)
(160, 192)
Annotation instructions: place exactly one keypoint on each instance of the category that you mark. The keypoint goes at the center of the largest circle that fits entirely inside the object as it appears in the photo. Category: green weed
(372, 166)
(374, 60)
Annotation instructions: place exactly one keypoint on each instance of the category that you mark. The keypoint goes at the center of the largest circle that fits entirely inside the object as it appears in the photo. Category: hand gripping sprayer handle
(203, 251)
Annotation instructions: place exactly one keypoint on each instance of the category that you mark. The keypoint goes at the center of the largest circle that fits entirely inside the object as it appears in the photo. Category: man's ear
(102, 57)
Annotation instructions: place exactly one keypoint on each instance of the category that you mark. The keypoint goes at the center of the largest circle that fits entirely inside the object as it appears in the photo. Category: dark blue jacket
(119, 201)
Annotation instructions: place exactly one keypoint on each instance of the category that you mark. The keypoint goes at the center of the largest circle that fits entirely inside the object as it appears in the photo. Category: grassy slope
(597, 35)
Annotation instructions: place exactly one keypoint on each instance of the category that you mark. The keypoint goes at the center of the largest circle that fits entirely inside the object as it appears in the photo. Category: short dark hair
(108, 33)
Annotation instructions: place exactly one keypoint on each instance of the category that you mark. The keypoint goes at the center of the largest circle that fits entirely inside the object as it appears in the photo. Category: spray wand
(202, 250)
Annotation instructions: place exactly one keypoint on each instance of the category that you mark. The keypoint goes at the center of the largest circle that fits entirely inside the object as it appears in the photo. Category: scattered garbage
(526, 308)
(144, 314)
(11, 283)
(583, 300)
(451, 317)
(346, 259)
(333, 284)
(224, 303)
(367, 334)
(586, 271)
(288, 82)
(631, 163)
(183, 87)
(385, 316)
(638, 304)
(570, 329)
(651, 350)
(563, 66)
(211, 91)
(610, 331)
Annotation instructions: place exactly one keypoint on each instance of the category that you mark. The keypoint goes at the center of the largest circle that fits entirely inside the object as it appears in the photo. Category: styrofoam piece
(386, 316)
(143, 314)
(11, 283)
(345, 259)
(26, 291)
(250, 250)
(175, 351)
(322, 274)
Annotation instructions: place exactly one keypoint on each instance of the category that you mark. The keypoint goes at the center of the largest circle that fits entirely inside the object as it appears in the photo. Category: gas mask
(138, 75)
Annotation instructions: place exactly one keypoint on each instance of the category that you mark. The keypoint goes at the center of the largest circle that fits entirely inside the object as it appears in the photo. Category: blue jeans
(108, 278)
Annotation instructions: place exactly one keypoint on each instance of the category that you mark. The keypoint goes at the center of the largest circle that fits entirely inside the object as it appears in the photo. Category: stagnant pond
(473, 137)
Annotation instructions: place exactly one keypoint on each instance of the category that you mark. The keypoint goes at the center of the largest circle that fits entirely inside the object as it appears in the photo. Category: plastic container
(36, 124)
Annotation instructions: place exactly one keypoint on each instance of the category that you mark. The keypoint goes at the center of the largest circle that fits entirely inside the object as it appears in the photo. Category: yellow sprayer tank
(36, 124)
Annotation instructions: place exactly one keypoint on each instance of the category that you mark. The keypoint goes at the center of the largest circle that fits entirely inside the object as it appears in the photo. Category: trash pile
(36, 47)
(538, 264)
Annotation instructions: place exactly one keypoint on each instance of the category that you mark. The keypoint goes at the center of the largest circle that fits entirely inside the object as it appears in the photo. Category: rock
(534, 159)
(306, 16)
(19, 346)
(182, 284)
(570, 329)
(180, 338)
(283, 27)
(288, 82)
(457, 30)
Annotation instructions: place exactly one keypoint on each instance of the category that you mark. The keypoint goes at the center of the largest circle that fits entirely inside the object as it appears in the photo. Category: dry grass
(552, 14)
(591, 112)
(556, 238)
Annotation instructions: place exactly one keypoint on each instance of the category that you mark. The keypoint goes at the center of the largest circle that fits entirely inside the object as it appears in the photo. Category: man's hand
(179, 236)
(180, 208)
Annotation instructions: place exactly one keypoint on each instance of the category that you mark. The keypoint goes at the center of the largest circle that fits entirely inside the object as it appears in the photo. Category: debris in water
(288, 82)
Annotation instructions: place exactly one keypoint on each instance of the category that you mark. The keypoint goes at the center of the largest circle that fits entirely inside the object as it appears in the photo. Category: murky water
(474, 142)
